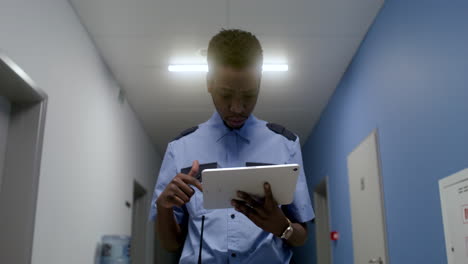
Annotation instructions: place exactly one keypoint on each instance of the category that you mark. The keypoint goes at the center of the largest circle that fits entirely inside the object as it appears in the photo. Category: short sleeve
(300, 210)
(167, 172)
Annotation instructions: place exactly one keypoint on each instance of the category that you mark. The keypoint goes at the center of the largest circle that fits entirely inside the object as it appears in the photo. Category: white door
(367, 216)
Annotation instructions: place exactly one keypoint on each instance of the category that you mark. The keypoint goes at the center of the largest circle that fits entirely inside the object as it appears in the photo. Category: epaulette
(279, 129)
(186, 132)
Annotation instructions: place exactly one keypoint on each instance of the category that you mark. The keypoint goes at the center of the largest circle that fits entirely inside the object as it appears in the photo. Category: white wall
(93, 146)
(4, 124)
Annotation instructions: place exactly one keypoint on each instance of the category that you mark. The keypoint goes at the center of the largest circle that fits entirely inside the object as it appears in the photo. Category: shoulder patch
(279, 129)
(186, 132)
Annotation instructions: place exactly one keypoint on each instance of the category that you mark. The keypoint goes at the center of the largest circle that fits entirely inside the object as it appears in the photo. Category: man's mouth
(236, 122)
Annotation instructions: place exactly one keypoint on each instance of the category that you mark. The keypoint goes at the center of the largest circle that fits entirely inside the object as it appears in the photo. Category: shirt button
(233, 255)
(233, 216)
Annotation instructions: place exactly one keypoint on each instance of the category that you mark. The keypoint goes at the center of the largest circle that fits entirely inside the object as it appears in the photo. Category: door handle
(376, 260)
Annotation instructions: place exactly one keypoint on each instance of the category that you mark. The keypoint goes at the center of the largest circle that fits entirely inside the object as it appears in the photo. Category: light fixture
(188, 68)
(275, 67)
(204, 68)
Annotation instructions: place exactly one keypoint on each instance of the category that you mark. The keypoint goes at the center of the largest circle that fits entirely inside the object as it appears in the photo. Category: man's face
(234, 93)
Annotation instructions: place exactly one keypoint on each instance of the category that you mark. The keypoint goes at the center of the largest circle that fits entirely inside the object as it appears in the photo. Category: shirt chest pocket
(195, 206)
(254, 164)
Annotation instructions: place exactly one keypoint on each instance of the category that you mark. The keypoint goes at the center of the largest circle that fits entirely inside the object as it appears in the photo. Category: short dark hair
(236, 48)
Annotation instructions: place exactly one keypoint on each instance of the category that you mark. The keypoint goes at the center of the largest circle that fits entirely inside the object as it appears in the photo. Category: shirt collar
(220, 129)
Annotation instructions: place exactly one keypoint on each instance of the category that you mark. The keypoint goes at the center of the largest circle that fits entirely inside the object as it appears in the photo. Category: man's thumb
(194, 170)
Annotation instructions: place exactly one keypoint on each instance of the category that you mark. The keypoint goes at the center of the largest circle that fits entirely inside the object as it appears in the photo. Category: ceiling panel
(146, 17)
(139, 38)
(305, 17)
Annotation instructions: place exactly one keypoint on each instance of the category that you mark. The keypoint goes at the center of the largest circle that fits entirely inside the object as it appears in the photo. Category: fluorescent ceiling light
(275, 67)
(188, 68)
(204, 68)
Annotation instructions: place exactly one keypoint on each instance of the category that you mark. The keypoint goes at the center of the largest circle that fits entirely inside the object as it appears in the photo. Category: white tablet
(220, 185)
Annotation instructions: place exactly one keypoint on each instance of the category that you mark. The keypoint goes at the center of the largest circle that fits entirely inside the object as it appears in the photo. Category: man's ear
(259, 82)
(209, 82)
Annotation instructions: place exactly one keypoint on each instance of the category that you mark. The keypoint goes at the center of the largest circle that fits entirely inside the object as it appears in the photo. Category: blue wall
(409, 79)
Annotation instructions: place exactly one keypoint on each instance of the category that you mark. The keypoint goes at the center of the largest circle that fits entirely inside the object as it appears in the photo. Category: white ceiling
(139, 38)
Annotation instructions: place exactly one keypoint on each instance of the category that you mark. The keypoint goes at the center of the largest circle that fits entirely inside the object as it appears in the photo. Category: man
(253, 231)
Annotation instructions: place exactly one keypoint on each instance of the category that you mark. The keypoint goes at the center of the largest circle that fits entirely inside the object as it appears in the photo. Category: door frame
(22, 161)
(139, 220)
(318, 194)
(375, 134)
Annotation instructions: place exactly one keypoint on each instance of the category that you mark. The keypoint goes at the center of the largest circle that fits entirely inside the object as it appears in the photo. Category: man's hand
(266, 215)
(178, 192)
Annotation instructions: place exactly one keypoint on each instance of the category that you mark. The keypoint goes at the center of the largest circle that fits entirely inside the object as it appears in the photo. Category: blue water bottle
(115, 249)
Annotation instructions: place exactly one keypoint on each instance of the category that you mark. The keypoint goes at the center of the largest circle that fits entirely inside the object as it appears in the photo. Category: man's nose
(237, 106)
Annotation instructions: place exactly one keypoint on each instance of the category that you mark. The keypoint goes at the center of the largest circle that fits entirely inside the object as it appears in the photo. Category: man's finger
(175, 200)
(269, 200)
(248, 198)
(249, 212)
(182, 195)
(241, 206)
(193, 181)
(192, 176)
(251, 202)
(179, 202)
(184, 187)
(194, 170)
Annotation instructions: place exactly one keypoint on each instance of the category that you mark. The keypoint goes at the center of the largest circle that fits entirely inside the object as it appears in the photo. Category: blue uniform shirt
(229, 236)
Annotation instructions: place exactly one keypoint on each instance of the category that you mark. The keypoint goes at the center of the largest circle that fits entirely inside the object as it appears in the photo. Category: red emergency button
(334, 235)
